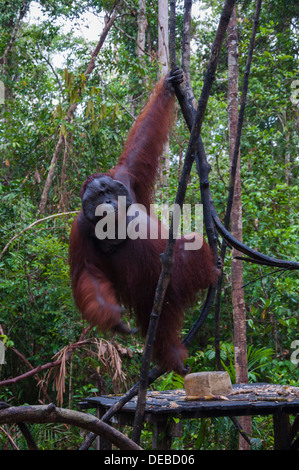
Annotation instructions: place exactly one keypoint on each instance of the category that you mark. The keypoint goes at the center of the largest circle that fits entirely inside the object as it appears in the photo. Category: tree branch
(24, 430)
(39, 221)
(31, 372)
(51, 414)
(48, 365)
(15, 31)
(153, 375)
(254, 256)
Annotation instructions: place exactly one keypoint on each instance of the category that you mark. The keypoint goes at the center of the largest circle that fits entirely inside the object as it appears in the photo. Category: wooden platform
(250, 399)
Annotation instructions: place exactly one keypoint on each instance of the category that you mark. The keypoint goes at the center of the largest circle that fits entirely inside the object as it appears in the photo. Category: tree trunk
(163, 48)
(23, 11)
(163, 61)
(239, 313)
(186, 47)
(142, 25)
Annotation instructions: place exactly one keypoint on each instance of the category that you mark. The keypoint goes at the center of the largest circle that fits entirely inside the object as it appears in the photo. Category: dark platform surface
(249, 399)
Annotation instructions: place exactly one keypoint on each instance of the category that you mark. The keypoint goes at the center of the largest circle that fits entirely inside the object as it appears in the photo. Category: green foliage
(35, 285)
(43, 75)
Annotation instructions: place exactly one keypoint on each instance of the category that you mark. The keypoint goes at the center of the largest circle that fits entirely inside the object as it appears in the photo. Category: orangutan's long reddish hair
(103, 280)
